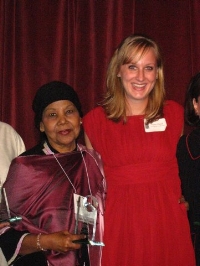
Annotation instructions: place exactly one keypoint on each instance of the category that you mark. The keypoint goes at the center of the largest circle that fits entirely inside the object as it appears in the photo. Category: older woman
(44, 182)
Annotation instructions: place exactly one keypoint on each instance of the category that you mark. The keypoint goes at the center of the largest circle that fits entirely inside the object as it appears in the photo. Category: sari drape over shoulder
(39, 191)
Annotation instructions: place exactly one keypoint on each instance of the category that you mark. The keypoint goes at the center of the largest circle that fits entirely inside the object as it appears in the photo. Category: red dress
(144, 223)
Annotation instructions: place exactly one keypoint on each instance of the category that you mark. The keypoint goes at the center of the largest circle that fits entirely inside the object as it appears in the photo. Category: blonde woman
(136, 132)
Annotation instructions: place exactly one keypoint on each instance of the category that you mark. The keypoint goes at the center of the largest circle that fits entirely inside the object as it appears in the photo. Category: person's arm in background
(11, 145)
(184, 170)
(2, 225)
(20, 146)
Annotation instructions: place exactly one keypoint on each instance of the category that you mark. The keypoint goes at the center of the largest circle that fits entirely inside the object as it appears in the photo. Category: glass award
(86, 213)
(5, 215)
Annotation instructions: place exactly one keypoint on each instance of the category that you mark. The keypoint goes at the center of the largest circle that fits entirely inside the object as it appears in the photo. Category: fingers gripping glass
(86, 212)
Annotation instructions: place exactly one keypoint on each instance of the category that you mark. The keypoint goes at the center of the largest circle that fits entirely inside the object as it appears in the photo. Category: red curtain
(73, 40)
(175, 26)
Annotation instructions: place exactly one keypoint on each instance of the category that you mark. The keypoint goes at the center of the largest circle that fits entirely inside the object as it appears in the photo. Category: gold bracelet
(38, 243)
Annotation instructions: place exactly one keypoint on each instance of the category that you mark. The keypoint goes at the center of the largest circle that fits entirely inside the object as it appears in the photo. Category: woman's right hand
(60, 241)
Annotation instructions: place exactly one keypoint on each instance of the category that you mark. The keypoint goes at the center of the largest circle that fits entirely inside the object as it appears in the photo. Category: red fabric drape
(174, 25)
(73, 40)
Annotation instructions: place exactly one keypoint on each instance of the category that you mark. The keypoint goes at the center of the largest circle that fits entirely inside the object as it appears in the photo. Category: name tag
(156, 126)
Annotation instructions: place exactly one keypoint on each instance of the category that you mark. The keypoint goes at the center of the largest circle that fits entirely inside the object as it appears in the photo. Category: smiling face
(138, 78)
(61, 124)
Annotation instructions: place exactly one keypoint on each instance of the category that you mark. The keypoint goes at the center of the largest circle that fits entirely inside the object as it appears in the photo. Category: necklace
(47, 151)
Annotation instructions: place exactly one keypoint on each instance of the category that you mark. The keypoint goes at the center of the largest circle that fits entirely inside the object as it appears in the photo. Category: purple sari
(39, 191)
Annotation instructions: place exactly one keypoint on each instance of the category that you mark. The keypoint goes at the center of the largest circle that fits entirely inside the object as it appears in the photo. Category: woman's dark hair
(193, 92)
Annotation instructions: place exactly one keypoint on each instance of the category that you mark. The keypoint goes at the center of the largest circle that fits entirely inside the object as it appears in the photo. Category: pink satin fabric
(38, 190)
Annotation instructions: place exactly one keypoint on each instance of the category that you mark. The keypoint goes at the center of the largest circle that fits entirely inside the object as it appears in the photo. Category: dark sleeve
(8, 244)
(187, 175)
(9, 241)
(33, 259)
(184, 164)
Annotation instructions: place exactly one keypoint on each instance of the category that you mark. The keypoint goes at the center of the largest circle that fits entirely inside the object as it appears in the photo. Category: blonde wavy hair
(114, 103)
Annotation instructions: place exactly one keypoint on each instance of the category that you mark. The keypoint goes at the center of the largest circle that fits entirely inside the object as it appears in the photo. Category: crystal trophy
(86, 212)
(5, 215)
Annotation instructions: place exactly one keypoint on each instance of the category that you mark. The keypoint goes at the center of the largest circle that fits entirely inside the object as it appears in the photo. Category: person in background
(42, 184)
(11, 145)
(188, 155)
(136, 131)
